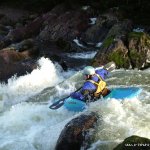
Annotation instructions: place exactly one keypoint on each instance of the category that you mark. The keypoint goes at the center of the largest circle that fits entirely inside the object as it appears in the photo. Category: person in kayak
(94, 86)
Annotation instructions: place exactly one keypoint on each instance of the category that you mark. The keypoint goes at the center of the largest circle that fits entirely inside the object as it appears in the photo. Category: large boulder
(139, 49)
(68, 26)
(7, 70)
(75, 133)
(114, 47)
(10, 55)
(97, 32)
(15, 63)
(134, 142)
(126, 48)
(27, 31)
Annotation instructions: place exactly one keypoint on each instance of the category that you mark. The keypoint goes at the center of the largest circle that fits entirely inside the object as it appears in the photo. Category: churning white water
(125, 118)
(85, 55)
(33, 126)
(19, 89)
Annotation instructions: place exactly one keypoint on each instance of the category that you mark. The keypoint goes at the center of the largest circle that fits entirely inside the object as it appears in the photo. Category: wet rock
(68, 26)
(134, 142)
(139, 49)
(27, 31)
(7, 70)
(75, 133)
(25, 45)
(10, 55)
(11, 15)
(114, 47)
(15, 63)
(128, 49)
(97, 32)
(53, 33)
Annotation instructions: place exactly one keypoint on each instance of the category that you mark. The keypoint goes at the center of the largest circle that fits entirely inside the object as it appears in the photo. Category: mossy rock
(108, 41)
(134, 143)
(135, 35)
(119, 58)
(137, 58)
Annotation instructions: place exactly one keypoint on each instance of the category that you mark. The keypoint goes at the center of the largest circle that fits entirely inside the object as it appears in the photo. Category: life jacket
(100, 84)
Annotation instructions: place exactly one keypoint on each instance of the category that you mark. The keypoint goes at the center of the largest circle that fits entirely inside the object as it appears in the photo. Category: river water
(33, 126)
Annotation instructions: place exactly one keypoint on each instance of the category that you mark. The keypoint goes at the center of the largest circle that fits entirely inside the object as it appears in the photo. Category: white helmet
(89, 70)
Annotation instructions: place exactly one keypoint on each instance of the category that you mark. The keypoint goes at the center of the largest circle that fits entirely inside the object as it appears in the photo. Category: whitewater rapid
(33, 126)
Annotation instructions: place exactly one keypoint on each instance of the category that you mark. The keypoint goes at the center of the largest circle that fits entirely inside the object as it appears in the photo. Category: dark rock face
(113, 47)
(134, 142)
(68, 26)
(139, 49)
(97, 32)
(7, 70)
(75, 132)
(57, 31)
(126, 48)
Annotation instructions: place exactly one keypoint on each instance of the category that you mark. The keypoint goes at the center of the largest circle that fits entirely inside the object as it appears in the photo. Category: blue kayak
(72, 104)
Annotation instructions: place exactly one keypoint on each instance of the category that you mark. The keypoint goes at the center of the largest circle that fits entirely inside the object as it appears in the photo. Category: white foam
(25, 86)
(121, 119)
(77, 42)
(29, 125)
(93, 20)
(99, 44)
(85, 55)
(35, 126)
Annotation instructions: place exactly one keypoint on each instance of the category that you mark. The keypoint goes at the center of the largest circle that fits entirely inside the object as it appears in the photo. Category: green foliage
(137, 57)
(119, 59)
(108, 41)
(135, 35)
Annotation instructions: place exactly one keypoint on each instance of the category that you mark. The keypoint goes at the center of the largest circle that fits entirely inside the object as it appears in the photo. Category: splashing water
(125, 118)
(19, 89)
(33, 126)
(85, 55)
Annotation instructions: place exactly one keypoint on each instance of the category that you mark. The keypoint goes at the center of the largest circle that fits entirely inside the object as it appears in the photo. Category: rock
(3, 30)
(9, 55)
(13, 62)
(139, 49)
(134, 142)
(27, 31)
(7, 70)
(75, 133)
(68, 26)
(126, 48)
(97, 32)
(53, 33)
(114, 46)
(11, 14)
(24, 45)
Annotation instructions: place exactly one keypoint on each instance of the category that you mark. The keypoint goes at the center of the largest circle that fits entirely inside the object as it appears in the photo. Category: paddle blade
(57, 104)
(60, 102)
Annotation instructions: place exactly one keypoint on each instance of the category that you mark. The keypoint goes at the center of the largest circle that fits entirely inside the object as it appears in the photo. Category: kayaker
(94, 86)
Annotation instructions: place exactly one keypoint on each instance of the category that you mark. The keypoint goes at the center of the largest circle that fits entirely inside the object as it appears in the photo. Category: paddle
(110, 67)
(60, 102)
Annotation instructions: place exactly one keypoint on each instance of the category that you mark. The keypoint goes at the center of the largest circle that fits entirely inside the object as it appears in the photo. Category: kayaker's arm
(103, 73)
(77, 95)
(83, 95)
